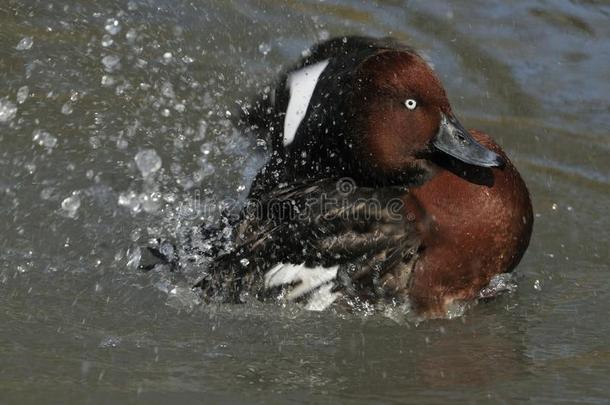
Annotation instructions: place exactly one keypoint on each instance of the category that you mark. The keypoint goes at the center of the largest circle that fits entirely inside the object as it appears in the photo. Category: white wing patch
(301, 84)
(307, 279)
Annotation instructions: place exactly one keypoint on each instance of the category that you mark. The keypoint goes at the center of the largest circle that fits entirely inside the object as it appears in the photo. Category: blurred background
(116, 128)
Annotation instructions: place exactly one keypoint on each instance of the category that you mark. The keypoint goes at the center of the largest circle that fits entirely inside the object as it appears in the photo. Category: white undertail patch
(314, 280)
(322, 298)
(301, 85)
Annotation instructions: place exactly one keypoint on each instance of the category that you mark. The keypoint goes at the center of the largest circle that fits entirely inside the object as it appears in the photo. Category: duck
(373, 192)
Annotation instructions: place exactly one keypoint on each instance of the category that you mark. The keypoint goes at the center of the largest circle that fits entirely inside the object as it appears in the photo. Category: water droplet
(30, 167)
(206, 148)
(67, 109)
(8, 110)
(71, 205)
(130, 200)
(201, 131)
(112, 26)
(107, 41)
(537, 285)
(264, 48)
(261, 143)
(107, 81)
(111, 63)
(133, 255)
(110, 341)
(207, 169)
(150, 202)
(148, 162)
(22, 94)
(166, 249)
(131, 35)
(95, 142)
(122, 143)
(43, 138)
(46, 193)
(168, 90)
(25, 44)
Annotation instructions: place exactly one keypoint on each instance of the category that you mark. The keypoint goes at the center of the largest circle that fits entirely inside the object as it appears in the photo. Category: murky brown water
(85, 86)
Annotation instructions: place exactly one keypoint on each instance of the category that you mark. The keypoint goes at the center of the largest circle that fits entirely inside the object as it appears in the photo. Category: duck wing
(316, 241)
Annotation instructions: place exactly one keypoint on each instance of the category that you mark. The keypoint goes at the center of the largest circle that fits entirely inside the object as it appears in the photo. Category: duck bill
(453, 139)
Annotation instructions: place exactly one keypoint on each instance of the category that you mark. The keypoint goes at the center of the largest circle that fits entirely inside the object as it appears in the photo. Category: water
(115, 128)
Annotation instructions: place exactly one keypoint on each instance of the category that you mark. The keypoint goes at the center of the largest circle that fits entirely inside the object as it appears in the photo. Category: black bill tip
(453, 139)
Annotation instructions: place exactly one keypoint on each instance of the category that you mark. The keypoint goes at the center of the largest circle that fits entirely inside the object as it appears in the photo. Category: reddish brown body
(473, 226)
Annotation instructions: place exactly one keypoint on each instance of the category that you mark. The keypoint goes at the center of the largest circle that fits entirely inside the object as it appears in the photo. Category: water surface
(85, 87)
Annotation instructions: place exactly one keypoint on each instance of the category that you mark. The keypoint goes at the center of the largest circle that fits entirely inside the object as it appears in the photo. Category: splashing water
(8, 110)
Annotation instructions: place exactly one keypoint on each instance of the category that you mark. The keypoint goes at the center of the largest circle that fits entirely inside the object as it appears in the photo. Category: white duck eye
(411, 104)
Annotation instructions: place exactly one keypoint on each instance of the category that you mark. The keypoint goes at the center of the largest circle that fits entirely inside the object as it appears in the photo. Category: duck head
(404, 118)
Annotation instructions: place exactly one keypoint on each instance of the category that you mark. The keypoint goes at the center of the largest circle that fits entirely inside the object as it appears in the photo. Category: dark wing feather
(366, 232)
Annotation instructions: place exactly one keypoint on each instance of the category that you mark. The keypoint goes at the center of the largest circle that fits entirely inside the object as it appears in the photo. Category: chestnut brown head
(404, 117)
